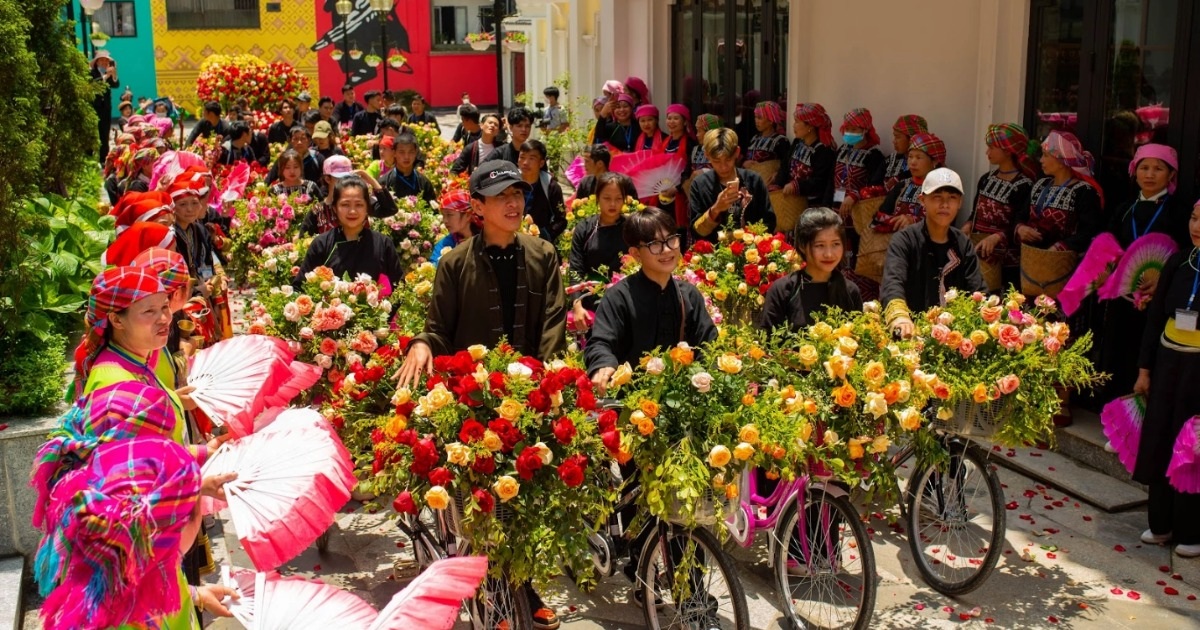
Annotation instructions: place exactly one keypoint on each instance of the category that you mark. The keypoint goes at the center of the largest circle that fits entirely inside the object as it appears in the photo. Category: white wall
(960, 64)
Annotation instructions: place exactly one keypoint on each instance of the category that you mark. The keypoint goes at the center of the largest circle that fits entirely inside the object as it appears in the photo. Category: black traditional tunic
(854, 171)
(895, 168)
(1068, 216)
(767, 148)
(810, 169)
(903, 200)
(620, 137)
(793, 299)
(998, 203)
(699, 159)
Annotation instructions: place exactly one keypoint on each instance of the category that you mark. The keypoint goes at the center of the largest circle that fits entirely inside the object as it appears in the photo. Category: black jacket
(705, 189)
(204, 129)
(412, 185)
(793, 299)
(546, 207)
(364, 123)
(912, 273)
(373, 254)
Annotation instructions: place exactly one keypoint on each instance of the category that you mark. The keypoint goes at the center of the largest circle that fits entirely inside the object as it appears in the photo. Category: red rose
(440, 476)
(404, 503)
(571, 470)
(496, 384)
(471, 430)
(703, 247)
(528, 462)
(406, 409)
(485, 500)
(377, 436)
(612, 440)
(764, 247)
(582, 382)
(464, 388)
(338, 423)
(539, 401)
(425, 455)
(586, 400)
(458, 364)
(607, 421)
(564, 430)
(738, 248)
(484, 464)
(753, 276)
(509, 434)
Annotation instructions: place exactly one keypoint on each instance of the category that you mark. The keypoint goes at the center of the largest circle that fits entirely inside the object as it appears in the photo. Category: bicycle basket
(458, 507)
(704, 514)
(980, 421)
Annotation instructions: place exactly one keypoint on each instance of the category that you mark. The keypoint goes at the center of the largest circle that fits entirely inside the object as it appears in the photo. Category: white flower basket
(481, 45)
(515, 46)
(705, 514)
(99, 43)
(972, 419)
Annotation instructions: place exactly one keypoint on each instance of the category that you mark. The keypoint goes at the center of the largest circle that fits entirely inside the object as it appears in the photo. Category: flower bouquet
(508, 446)
(356, 54)
(739, 269)
(373, 60)
(414, 230)
(330, 322)
(396, 60)
(358, 149)
(362, 396)
(259, 221)
(277, 265)
(1007, 357)
(336, 54)
(412, 303)
(225, 79)
(515, 41)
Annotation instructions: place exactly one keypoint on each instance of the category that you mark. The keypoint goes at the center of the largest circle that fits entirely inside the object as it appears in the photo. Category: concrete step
(12, 574)
(1057, 470)
(18, 444)
(1084, 441)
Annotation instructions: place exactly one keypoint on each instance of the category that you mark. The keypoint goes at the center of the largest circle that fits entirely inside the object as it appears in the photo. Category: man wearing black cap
(498, 283)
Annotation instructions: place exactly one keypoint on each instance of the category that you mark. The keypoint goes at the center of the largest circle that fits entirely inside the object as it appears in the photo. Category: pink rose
(991, 314)
(940, 332)
(328, 347)
(1052, 344)
(966, 348)
(977, 296)
(307, 333)
(1008, 384)
(1010, 337)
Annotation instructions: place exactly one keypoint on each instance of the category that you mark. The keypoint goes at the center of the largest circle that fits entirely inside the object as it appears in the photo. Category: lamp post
(89, 8)
(497, 17)
(381, 9)
(343, 8)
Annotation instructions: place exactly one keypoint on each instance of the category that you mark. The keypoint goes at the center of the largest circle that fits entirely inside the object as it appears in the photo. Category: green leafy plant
(31, 373)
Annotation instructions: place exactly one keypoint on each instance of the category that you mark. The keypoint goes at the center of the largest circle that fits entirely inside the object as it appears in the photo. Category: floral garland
(226, 78)
(739, 269)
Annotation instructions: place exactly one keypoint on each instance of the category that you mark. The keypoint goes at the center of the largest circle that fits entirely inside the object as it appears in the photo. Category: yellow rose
(458, 454)
(905, 391)
(830, 438)
(637, 417)
(395, 425)
(738, 234)
(749, 433)
(492, 441)
(876, 405)
(743, 451)
(847, 346)
(978, 337)
(649, 407)
(478, 351)
(622, 376)
(805, 432)
(838, 365)
(742, 289)
(509, 409)
(719, 456)
(423, 287)
(752, 256)
(718, 481)
(810, 406)
(980, 393)
(711, 276)
(856, 447)
(808, 355)
(720, 295)
(821, 330)
(438, 397)
(874, 373)
(506, 488)
(880, 444)
(731, 491)
(757, 353)
(437, 498)
(945, 413)
(645, 427)
(729, 364)
(910, 419)
(402, 396)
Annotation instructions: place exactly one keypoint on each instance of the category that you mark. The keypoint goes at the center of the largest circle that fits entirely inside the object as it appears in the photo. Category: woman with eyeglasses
(649, 309)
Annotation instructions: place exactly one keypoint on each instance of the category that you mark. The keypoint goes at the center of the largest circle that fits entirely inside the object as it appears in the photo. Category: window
(116, 19)
(449, 25)
(453, 20)
(212, 14)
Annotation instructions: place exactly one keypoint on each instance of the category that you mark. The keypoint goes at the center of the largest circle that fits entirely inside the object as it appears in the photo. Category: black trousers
(1173, 512)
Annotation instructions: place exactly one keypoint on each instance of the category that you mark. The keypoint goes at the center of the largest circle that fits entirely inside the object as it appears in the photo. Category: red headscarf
(137, 239)
(196, 180)
(1012, 139)
(169, 266)
(911, 125)
(931, 145)
(113, 290)
(139, 207)
(861, 117)
(814, 114)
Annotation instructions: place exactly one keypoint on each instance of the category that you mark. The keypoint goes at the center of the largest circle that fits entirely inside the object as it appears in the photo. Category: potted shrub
(336, 54)
(356, 54)
(373, 60)
(515, 41)
(396, 60)
(481, 41)
(99, 39)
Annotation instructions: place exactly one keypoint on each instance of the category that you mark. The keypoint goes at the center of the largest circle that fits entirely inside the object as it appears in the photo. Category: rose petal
(1120, 548)
(1170, 590)
(1134, 595)
(1086, 517)
(1012, 505)
(1117, 591)
(1052, 619)
(919, 607)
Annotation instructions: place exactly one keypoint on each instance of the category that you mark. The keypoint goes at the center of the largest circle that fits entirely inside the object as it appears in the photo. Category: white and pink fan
(630, 163)
(575, 172)
(657, 175)
(291, 483)
(233, 186)
(238, 378)
(431, 601)
(304, 376)
(171, 164)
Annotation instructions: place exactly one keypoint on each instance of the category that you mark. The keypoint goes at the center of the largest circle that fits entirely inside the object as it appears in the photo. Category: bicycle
(956, 520)
(824, 563)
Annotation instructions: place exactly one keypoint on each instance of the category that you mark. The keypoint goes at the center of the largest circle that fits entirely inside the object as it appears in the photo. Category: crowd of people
(134, 438)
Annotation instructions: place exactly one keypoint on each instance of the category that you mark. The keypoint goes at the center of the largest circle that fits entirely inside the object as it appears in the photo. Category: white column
(799, 52)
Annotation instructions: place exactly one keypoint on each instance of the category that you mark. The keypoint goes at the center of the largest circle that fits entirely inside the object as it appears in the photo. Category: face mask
(852, 138)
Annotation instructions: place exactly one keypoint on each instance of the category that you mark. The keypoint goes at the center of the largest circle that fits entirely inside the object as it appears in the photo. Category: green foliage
(64, 247)
(31, 373)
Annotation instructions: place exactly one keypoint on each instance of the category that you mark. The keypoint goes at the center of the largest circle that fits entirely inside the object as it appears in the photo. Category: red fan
(234, 184)
(290, 484)
(1122, 422)
(575, 172)
(304, 376)
(1184, 470)
(657, 175)
(1144, 260)
(1092, 271)
(630, 163)
(431, 601)
(233, 377)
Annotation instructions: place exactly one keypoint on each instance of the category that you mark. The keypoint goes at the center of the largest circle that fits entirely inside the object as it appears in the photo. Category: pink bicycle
(818, 548)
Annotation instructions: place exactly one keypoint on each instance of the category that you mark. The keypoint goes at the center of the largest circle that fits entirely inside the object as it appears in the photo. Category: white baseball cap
(941, 178)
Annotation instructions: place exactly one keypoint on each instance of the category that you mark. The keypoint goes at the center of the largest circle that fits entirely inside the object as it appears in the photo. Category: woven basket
(1045, 271)
(863, 212)
(705, 513)
(972, 420)
(766, 170)
(991, 273)
(502, 512)
(788, 209)
(687, 183)
(872, 245)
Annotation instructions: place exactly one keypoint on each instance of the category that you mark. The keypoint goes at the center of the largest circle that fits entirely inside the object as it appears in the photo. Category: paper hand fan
(655, 176)
(432, 599)
(1122, 422)
(233, 376)
(173, 163)
(234, 184)
(1144, 260)
(575, 172)
(303, 376)
(630, 163)
(1093, 270)
(1184, 470)
(290, 485)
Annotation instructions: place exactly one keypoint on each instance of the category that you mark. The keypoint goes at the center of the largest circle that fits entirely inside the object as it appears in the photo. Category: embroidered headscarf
(814, 114)
(1064, 146)
(861, 117)
(931, 145)
(1160, 152)
(112, 557)
(170, 267)
(1013, 139)
(455, 200)
(114, 290)
(771, 111)
(911, 125)
(707, 122)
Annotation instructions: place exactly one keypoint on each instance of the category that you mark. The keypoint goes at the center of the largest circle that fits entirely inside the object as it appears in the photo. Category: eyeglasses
(658, 247)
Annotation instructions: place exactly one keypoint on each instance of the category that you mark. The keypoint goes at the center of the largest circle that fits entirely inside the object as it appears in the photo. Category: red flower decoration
(404, 503)
(471, 431)
(440, 476)
(528, 462)
(486, 501)
(571, 470)
(564, 430)
(484, 464)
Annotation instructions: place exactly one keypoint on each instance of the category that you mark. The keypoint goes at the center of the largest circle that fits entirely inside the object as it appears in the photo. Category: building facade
(1111, 71)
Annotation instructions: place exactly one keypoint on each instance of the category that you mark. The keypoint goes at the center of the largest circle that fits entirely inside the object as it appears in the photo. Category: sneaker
(1187, 551)
(1150, 538)
(545, 619)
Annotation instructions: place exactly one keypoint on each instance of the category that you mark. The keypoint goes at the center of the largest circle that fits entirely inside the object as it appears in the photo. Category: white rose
(324, 361)
(545, 453)
(951, 294)
(353, 358)
(876, 405)
(702, 382)
(286, 290)
(655, 366)
(385, 306)
(291, 312)
(519, 370)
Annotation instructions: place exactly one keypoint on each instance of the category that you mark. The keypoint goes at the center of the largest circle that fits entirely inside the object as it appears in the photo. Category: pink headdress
(1159, 152)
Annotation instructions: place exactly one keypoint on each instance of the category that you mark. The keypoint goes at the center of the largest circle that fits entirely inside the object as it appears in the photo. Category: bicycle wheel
(825, 564)
(710, 595)
(421, 530)
(956, 521)
(499, 604)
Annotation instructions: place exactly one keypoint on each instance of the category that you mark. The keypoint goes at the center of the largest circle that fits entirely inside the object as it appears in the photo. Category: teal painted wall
(134, 55)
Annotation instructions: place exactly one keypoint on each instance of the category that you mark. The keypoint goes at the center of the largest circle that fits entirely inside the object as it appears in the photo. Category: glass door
(1057, 36)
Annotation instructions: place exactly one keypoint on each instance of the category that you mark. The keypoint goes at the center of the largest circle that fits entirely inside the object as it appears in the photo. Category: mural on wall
(358, 35)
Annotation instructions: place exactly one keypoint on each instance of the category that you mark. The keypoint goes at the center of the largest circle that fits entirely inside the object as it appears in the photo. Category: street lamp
(89, 8)
(381, 9)
(343, 8)
(498, 17)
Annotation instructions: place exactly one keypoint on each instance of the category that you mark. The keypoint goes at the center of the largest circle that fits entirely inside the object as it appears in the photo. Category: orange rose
(731, 490)
(844, 396)
(891, 392)
(980, 393)
(757, 353)
(772, 474)
(748, 400)
(649, 407)
(941, 390)
(856, 447)
(682, 355)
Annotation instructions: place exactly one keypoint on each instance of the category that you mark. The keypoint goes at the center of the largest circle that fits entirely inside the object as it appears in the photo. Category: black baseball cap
(494, 177)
